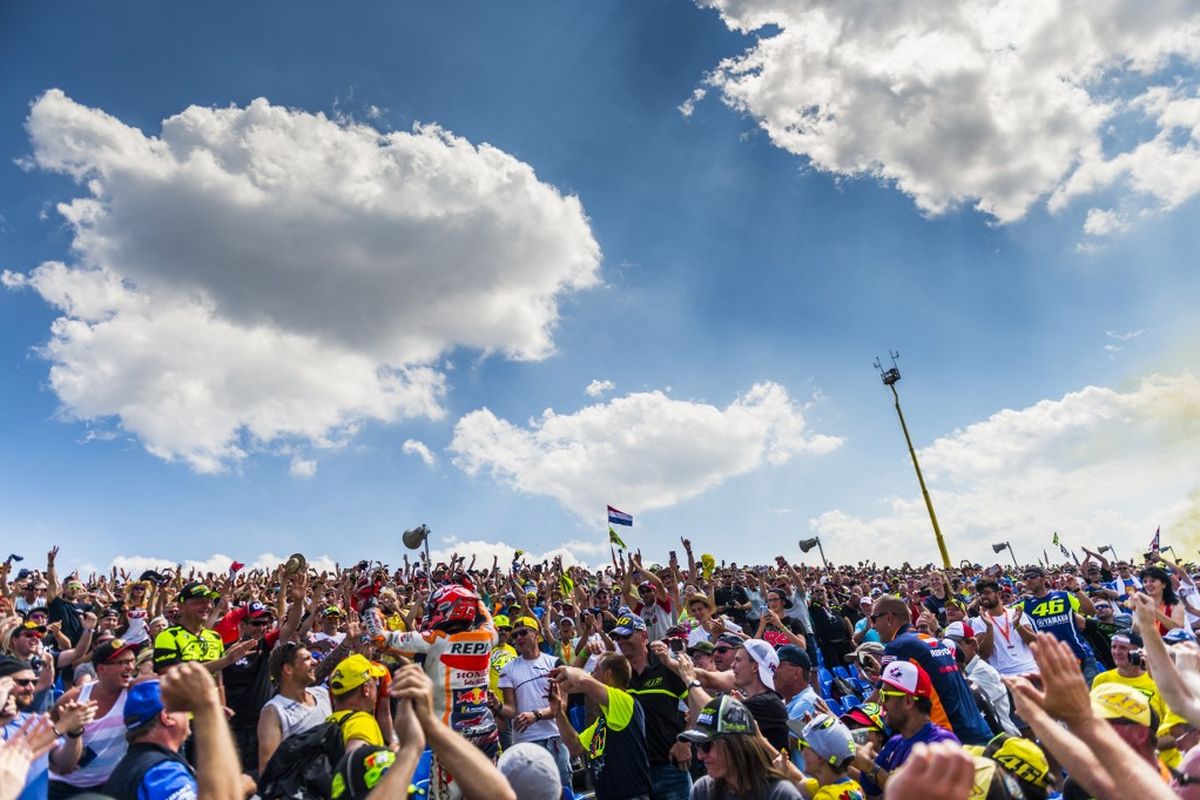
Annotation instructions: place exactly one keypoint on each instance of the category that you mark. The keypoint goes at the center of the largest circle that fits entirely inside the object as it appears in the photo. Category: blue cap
(1177, 635)
(143, 703)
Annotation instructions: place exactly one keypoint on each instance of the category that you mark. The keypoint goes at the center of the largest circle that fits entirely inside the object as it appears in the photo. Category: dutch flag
(619, 517)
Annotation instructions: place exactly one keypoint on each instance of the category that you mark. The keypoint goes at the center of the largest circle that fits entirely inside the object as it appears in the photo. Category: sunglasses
(723, 649)
(704, 747)
(617, 637)
(24, 681)
(874, 617)
(889, 693)
(519, 632)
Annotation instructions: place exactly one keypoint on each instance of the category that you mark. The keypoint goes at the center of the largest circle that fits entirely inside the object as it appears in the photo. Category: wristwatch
(694, 684)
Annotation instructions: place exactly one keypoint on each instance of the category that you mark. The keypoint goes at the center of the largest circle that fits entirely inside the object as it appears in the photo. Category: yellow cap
(353, 672)
(1118, 701)
(1023, 759)
(501, 621)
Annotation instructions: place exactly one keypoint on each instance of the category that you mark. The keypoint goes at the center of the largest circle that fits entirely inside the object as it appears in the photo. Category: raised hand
(53, 554)
(189, 687)
(74, 715)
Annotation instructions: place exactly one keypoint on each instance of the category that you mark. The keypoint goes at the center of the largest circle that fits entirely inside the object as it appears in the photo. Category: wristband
(75, 734)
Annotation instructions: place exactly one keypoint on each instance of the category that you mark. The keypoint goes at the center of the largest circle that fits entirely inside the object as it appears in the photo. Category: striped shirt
(103, 745)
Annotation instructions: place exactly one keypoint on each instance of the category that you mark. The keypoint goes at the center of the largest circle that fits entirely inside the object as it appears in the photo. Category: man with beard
(1059, 613)
(103, 739)
(1003, 639)
(72, 717)
(298, 705)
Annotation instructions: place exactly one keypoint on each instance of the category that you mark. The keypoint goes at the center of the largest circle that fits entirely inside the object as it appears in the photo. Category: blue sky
(690, 256)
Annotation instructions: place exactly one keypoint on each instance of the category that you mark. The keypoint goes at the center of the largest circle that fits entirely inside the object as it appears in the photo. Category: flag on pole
(616, 517)
(1055, 538)
(614, 539)
(1156, 542)
(566, 585)
(1045, 557)
(1066, 553)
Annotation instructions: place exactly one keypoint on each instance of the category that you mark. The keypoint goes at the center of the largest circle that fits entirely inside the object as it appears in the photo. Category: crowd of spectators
(691, 678)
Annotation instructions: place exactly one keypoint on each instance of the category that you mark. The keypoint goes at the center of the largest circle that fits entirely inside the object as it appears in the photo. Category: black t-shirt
(70, 615)
(658, 690)
(828, 625)
(727, 599)
(771, 715)
(248, 686)
(617, 758)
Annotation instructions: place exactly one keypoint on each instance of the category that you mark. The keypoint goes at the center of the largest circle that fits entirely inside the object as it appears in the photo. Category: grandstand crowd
(693, 678)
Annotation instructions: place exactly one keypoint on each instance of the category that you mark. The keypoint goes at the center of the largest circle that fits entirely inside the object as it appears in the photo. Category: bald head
(888, 614)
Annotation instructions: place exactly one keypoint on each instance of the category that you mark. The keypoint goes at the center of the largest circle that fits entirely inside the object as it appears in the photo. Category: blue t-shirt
(37, 781)
(896, 751)
(168, 780)
(951, 693)
(1055, 614)
(871, 635)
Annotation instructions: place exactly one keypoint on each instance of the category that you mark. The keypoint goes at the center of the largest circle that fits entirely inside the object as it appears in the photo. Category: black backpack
(302, 766)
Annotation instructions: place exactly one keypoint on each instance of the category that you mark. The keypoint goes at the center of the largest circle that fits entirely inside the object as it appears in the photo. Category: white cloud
(1124, 336)
(412, 447)
(641, 452)
(484, 551)
(302, 467)
(597, 388)
(688, 107)
(1100, 466)
(998, 104)
(260, 273)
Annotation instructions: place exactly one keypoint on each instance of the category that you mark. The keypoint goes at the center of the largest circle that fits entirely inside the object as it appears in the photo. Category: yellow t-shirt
(1143, 683)
(845, 789)
(501, 655)
(177, 644)
(360, 726)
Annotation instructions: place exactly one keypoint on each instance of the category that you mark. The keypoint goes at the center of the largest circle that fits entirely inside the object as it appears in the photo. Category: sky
(282, 276)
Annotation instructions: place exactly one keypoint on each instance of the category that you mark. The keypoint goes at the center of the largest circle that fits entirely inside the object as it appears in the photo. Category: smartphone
(673, 556)
(677, 645)
(861, 736)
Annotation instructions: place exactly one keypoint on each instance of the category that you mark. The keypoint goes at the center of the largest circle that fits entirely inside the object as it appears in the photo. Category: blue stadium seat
(824, 675)
(835, 706)
(851, 701)
(841, 672)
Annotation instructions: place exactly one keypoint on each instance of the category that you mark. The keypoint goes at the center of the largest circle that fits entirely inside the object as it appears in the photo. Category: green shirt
(177, 644)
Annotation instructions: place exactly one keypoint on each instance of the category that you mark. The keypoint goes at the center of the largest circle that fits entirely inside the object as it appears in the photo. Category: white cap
(531, 772)
(767, 659)
(957, 630)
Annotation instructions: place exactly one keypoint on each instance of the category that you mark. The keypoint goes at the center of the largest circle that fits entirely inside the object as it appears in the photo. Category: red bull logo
(475, 696)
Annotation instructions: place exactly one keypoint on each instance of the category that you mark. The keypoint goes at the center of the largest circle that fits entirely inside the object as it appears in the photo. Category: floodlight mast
(889, 378)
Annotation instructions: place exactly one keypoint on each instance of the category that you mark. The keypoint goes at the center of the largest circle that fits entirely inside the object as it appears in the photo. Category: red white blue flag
(1155, 543)
(617, 517)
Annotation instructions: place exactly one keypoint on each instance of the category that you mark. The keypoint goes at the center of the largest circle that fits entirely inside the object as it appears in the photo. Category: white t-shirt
(529, 679)
(698, 634)
(1010, 654)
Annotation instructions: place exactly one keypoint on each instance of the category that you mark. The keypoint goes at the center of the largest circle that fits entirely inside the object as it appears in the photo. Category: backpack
(301, 768)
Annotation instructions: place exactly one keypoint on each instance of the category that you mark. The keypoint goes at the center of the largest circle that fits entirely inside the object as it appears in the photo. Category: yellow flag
(707, 565)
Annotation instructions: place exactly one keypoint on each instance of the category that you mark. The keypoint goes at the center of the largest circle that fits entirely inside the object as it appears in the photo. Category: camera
(1137, 658)
(677, 645)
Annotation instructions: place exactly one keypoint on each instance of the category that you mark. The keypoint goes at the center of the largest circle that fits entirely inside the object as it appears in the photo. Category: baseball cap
(197, 591)
(110, 649)
(958, 631)
(702, 647)
(729, 640)
(868, 715)
(866, 649)
(358, 772)
(629, 623)
(765, 657)
(907, 677)
(143, 702)
(10, 665)
(1118, 701)
(531, 772)
(1022, 757)
(1177, 635)
(255, 609)
(30, 625)
(827, 737)
(331, 611)
(501, 621)
(723, 716)
(353, 672)
(1033, 572)
(791, 654)
(526, 622)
